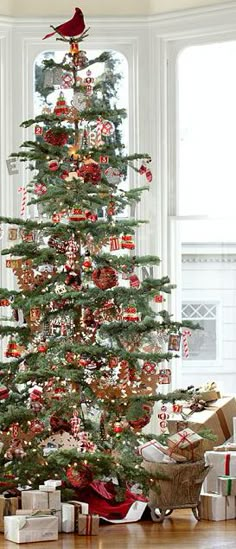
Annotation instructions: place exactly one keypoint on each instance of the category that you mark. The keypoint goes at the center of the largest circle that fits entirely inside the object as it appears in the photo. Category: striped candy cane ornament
(99, 127)
(23, 199)
(186, 334)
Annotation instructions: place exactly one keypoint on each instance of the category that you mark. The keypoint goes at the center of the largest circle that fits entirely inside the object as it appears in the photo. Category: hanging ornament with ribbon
(144, 169)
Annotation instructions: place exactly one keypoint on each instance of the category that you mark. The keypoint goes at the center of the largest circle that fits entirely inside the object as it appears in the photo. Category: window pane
(207, 130)
(202, 343)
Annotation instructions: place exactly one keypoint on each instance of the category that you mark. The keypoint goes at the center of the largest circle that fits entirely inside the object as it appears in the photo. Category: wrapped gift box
(227, 486)
(209, 392)
(186, 443)
(217, 507)
(88, 525)
(210, 396)
(22, 529)
(70, 512)
(8, 506)
(44, 488)
(153, 451)
(36, 499)
(53, 482)
(221, 463)
(35, 512)
(218, 417)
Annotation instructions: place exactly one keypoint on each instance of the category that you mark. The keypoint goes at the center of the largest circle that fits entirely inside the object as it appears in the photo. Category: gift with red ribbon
(88, 525)
(186, 443)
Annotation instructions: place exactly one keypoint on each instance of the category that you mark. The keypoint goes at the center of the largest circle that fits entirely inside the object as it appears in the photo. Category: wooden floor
(180, 530)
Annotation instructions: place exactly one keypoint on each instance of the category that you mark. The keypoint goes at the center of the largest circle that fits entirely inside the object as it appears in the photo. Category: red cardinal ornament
(73, 27)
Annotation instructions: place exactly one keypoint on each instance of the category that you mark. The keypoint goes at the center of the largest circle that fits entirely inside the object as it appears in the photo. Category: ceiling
(45, 8)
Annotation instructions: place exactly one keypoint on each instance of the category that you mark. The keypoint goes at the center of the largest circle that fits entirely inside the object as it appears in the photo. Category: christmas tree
(88, 341)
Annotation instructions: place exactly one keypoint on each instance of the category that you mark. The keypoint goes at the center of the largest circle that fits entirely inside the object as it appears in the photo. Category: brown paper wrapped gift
(88, 525)
(218, 417)
(8, 506)
(186, 443)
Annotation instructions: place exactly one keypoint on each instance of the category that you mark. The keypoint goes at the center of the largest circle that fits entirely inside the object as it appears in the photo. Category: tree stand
(180, 489)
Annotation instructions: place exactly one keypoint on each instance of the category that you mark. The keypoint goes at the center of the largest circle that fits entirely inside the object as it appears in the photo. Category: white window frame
(196, 366)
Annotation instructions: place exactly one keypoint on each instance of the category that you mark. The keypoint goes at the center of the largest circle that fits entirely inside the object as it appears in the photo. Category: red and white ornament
(113, 175)
(114, 243)
(40, 189)
(75, 422)
(108, 128)
(130, 314)
(127, 242)
(53, 165)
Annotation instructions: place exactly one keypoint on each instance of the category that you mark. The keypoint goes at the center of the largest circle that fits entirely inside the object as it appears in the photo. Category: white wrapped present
(217, 507)
(152, 451)
(23, 529)
(34, 512)
(70, 512)
(53, 482)
(36, 499)
(221, 463)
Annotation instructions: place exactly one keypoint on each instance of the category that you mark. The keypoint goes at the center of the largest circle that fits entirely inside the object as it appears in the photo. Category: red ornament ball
(58, 137)
(53, 165)
(91, 173)
(105, 277)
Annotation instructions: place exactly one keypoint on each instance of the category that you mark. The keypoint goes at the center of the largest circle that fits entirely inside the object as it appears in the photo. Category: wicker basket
(180, 489)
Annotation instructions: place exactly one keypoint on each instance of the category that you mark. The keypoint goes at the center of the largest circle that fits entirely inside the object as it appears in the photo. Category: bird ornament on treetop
(72, 28)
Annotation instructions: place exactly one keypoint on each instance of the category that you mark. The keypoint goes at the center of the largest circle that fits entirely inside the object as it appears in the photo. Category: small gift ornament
(134, 281)
(127, 242)
(130, 314)
(174, 342)
(36, 393)
(77, 214)
(114, 243)
(38, 130)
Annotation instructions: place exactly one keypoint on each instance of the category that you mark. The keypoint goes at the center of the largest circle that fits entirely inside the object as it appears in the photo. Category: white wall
(28, 8)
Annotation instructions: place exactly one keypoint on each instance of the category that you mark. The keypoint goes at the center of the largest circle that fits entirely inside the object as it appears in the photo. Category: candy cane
(186, 334)
(23, 200)
(99, 140)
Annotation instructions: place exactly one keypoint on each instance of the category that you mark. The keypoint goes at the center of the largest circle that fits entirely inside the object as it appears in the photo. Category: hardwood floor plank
(180, 530)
